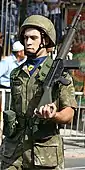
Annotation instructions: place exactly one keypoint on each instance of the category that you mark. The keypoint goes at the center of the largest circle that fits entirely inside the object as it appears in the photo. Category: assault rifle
(60, 64)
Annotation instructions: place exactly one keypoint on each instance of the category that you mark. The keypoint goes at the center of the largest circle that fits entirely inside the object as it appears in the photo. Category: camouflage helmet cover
(42, 23)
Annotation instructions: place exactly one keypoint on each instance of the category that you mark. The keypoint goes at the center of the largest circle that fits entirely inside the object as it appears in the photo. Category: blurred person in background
(1, 45)
(36, 7)
(55, 16)
(10, 62)
(9, 21)
(15, 18)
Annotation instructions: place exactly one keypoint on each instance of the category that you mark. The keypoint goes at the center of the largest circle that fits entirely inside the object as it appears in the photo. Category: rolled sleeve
(67, 95)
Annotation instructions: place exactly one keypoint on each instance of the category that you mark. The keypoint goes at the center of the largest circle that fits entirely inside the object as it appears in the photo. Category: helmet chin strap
(34, 55)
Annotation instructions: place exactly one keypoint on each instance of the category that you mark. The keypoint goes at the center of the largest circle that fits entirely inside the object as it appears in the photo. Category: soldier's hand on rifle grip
(47, 111)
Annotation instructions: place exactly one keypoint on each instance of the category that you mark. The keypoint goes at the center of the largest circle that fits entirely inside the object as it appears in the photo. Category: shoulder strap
(45, 68)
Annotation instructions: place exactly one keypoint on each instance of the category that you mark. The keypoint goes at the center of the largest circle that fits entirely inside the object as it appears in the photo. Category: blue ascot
(32, 64)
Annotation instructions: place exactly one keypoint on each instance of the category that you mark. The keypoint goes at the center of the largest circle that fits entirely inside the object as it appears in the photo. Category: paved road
(74, 152)
(75, 163)
(76, 168)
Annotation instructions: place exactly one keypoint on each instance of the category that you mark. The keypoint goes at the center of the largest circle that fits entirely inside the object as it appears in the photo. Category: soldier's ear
(50, 49)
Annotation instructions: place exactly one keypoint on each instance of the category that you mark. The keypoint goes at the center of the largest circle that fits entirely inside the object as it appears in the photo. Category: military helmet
(42, 23)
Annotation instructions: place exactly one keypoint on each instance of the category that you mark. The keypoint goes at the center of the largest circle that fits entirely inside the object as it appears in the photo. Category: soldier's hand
(47, 111)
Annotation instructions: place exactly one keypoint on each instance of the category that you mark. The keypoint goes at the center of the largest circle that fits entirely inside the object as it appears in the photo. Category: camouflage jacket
(26, 91)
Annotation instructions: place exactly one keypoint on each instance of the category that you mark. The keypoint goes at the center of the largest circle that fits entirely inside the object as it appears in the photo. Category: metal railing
(5, 100)
(76, 130)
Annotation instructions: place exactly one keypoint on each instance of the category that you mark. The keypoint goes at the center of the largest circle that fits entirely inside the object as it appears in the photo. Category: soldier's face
(32, 40)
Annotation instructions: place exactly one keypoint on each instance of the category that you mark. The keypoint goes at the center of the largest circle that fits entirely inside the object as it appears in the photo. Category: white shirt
(6, 66)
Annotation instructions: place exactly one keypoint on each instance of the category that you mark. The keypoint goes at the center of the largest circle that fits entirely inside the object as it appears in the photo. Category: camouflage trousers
(47, 155)
(17, 166)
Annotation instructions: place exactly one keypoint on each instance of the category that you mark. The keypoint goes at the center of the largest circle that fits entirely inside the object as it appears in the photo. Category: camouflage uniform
(26, 93)
(32, 143)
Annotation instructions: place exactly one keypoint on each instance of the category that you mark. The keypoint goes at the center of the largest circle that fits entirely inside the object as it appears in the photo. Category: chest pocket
(16, 95)
(17, 88)
(26, 93)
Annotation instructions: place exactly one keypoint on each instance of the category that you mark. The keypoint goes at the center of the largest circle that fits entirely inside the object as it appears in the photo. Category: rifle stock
(59, 65)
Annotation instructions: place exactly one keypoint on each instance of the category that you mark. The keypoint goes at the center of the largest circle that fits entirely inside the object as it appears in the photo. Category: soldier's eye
(34, 37)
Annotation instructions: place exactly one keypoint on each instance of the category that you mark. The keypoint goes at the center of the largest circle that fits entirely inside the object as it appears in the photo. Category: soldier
(32, 138)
